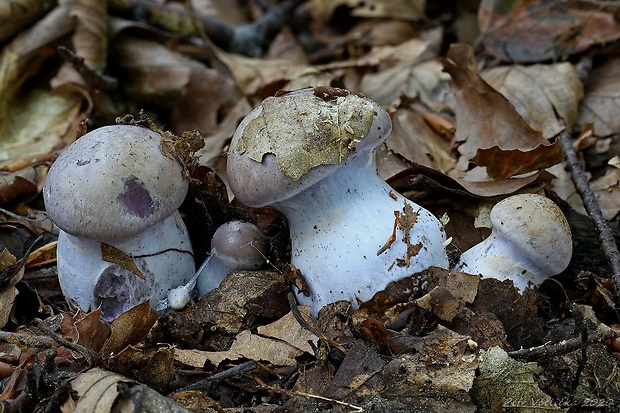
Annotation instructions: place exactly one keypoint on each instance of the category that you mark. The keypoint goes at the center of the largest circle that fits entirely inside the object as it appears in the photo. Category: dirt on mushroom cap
(307, 131)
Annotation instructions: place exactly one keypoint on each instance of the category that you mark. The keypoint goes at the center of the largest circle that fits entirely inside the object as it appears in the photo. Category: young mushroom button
(113, 187)
(530, 241)
(311, 155)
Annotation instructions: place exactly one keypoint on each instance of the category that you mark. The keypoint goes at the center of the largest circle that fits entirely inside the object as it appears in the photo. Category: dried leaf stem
(578, 176)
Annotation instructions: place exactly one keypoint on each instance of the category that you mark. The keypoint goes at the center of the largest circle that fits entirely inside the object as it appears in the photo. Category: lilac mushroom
(311, 154)
(113, 186)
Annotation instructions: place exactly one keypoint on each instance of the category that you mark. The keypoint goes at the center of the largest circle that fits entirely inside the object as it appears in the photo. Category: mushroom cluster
(311, 154)
(114, 196)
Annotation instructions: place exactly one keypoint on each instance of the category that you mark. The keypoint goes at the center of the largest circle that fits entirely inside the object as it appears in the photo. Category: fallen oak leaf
(486, 120)
(502, 164)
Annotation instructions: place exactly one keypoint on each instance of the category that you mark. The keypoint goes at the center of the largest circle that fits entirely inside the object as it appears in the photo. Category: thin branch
(562, 347)
(578, 176)
(208, 383)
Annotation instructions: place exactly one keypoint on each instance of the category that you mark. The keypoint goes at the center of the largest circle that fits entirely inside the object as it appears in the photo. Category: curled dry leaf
(490, 129)
(87, 330)
(102, 391)
(540, 93)
(130, 327)
(18, 14)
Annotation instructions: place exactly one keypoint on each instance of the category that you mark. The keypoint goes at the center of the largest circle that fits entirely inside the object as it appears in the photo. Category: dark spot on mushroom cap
(136, 197)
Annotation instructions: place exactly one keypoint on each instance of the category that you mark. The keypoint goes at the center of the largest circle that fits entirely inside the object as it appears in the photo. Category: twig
(93, 77)
(562, 347)
(92, 357)
(302, 322)
(578, 176)
(209, 382)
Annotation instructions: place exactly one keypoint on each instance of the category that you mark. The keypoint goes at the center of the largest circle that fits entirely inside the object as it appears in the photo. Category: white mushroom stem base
(496, 258)
(162, 252)
(354, 203)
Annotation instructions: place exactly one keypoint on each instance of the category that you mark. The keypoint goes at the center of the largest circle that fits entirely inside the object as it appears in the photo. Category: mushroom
(530, 241)
(236, 245)
(311, 154)
(114, 194)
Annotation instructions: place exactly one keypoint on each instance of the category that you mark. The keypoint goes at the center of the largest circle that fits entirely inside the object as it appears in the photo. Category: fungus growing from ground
(311, 155)
(114, 196)
(236, 245)
(530, 241)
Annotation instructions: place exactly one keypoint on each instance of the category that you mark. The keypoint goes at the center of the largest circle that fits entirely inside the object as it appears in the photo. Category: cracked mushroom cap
(113, 183)
(295, 139)
(535, 226)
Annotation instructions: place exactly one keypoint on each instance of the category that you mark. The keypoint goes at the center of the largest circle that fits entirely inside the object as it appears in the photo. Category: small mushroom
(530, 241)
(236, 245)
(311, 155)
(113, 187)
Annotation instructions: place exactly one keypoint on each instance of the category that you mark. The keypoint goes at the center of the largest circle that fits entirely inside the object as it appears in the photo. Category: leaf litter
(473, 123)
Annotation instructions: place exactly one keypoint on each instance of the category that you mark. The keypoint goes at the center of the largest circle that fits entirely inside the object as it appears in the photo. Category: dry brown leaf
(485, 119)
(600, 104)
(253, 75)
(216, 139)
(533, 31)
(130, 327)
(113, 255)
(415, 141)
(42, 256)
(288, 330)
(90, 38)
(151, 366)
(37, 121)
(14, 273)
(87, 330)
(20, 184)
(540, 93)
(246, 345)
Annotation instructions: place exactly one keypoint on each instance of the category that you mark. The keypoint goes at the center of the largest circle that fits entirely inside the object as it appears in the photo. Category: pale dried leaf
(607, 192)
(246, 345)
(90, 38)
(252, 75)
(288, 330)
(540, 93)
(602, 100)
(24, 56)
(505, 383)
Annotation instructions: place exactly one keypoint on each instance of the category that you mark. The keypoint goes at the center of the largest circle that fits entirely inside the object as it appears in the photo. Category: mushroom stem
(340, 225)
(162, 253)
